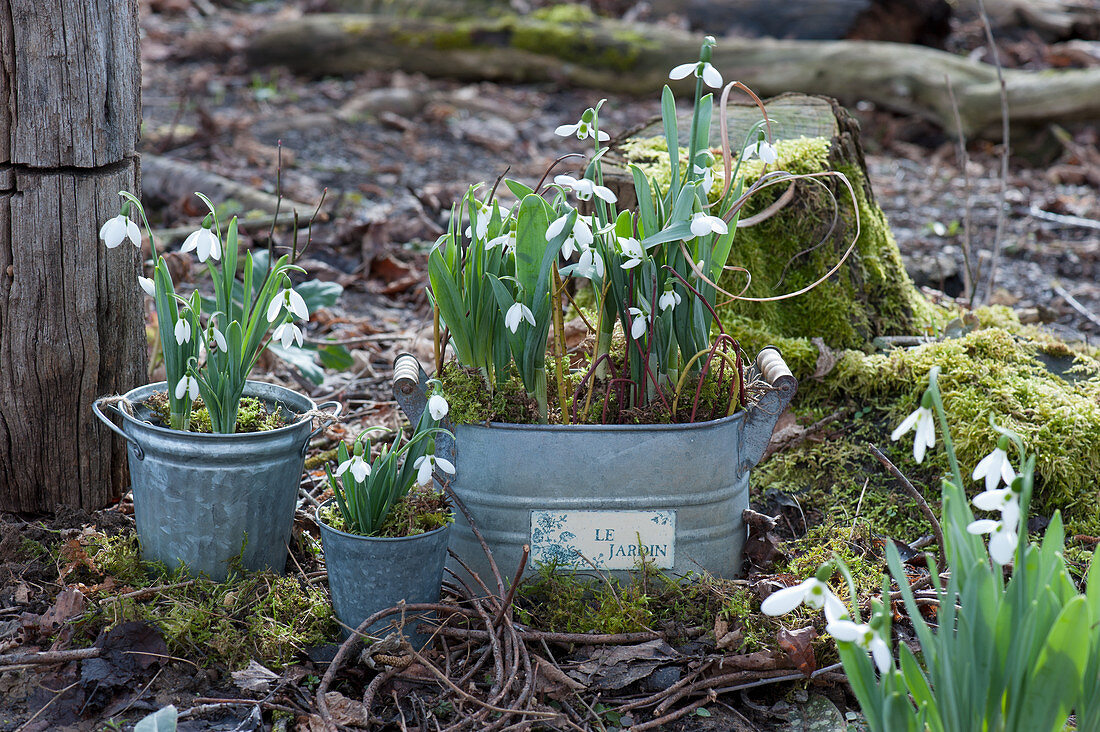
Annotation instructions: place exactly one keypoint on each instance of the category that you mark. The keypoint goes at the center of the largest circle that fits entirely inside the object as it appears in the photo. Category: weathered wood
(71, 322)
(1054, 20)
(634, 59)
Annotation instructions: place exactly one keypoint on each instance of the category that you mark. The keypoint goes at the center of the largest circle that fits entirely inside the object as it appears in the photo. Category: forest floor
(393, 151)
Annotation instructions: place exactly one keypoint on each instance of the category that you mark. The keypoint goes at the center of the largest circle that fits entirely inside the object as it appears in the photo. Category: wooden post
(71, 322)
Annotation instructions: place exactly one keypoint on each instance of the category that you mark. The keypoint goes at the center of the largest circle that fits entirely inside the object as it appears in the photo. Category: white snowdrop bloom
(1002, 537)
(866, 638)
(187, 385)
(703, 224)
(425, 464)
(669, 299)
(585, 188)
(438, 406)
(182, 331)
(813, 592)
(583, 130)
(204, 243)
(995, 467)
(119, 229)
(589, 265)
(288, 333)
(219, 339)
(148, 286)
(359, 468)
(292, 301)
(702, 69)
(633, 250)
(518, 312)
(638, 323)
(925, 431)
(763, 150)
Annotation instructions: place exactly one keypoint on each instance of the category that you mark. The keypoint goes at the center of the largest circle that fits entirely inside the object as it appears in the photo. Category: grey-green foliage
(1002, 656)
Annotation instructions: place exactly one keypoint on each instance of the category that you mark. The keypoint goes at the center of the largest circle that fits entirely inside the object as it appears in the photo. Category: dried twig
(914, 494)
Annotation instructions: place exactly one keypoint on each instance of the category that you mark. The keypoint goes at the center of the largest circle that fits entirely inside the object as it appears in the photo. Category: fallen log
(1054, 20)
(608, 54)
(901, 21)
(177, 180)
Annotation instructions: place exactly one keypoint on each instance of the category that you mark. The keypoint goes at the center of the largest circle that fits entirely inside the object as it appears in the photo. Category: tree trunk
(628, 58)
(71, 322)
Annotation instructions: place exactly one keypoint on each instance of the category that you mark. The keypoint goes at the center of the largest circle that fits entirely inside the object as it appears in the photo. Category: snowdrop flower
(204, 242)
(585, 188)
(632, 248)
(506, 240)
(703, 224)
(219, 339)
(763, 150)
(189, 386)
(589, 265)
(583, 129)
(425, 464)
(925, 429)
(483, 213)
(814, 592)
(148, 285)
(638, 323)
(288, 333)
(702, 69)
(669, 299)
(1002, 535)
(707, 181)
(438, 407)
(183, 331)
(359, 468)
(864, 636)
(517, 313)
(293, 302)
(995, 466)
(580, 239)
(118, 230)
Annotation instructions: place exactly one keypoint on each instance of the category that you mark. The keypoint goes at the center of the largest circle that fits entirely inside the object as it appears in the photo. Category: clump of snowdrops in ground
(1016, 655)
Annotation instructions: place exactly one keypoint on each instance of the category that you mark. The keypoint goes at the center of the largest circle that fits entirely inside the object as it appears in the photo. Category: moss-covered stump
(1019, 377)
(870, 296)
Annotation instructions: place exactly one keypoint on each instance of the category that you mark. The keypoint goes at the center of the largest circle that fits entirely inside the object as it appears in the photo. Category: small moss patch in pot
(422, 510)
(252, 416)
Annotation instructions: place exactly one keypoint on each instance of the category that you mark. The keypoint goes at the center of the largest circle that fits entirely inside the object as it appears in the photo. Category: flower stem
(941, 415)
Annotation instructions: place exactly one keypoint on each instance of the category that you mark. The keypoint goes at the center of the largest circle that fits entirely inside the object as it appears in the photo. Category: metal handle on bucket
(410, 391)
(763, 415)
(138, 452)
(336, 408)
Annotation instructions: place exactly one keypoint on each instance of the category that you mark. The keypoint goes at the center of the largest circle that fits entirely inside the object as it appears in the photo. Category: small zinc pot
(205, 500)
(606, 496)
(369, 573)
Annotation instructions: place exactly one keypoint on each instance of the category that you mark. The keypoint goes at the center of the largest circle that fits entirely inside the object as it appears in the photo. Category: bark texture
(71, 323)
(634, 59)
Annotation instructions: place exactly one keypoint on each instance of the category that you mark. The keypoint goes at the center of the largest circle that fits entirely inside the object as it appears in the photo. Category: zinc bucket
(606, 497)
(368, 573)
(205, 500)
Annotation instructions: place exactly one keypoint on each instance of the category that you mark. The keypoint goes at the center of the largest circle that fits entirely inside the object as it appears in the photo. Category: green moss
(561, 600)
(992, 373)
(567, 13)
(252, 415)
(273, 619)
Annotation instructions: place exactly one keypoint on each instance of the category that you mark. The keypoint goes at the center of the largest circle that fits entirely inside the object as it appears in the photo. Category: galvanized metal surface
(700, 471)
(202, 500)
(367, 574)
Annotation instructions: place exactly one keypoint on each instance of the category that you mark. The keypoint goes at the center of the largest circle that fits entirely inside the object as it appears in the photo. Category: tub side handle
(107, 402)
(762, 416)
(327, 420)
(410, 391)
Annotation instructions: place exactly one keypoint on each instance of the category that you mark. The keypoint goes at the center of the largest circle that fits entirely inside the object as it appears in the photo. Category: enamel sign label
(608, 539)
